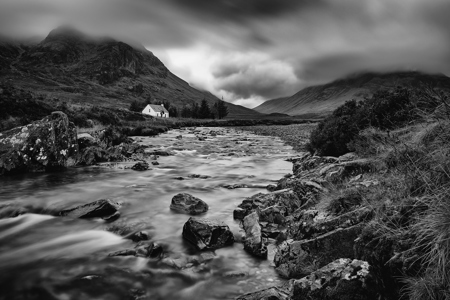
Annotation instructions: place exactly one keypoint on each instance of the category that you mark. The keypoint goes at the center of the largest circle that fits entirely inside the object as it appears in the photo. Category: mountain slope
(323, 99)
(82, 70)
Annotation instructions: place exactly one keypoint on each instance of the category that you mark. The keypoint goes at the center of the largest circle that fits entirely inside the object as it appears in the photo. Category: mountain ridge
(323, 99)
(84, 70)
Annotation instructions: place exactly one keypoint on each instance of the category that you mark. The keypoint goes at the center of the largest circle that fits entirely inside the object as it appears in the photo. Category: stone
(343, 278)
(46, 145)
(186, 203)
(149, 249)
(140, 166)
(207, 234)
(86, 140)
(179, 137)
(295, 259)
(160, 153)
(155, 163)
(239, 213)
(253, 242)
(138, 236)
(272, 293)
(97, 209)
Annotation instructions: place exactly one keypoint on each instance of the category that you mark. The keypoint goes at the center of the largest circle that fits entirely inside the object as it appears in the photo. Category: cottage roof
(159, 108)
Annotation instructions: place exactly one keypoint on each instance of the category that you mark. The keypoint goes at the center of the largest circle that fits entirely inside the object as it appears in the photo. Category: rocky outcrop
(253, 242)
(295, 259)
(272, 293)
(343, 278)
(103, 208)
(285, 200)
(188, 204)
(207, 234)
(45, 145)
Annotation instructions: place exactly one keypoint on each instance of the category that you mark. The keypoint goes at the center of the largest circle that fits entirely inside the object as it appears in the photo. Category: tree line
(195, 111)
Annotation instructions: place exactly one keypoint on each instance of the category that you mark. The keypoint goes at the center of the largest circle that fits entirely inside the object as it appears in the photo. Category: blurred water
(44, 257)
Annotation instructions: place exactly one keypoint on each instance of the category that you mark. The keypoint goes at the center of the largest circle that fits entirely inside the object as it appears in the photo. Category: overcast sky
(252, 50)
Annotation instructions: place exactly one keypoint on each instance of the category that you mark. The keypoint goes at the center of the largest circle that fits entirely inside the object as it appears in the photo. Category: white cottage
(156, 110)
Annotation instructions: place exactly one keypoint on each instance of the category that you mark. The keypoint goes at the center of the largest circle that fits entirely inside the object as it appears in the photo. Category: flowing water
(46, 257)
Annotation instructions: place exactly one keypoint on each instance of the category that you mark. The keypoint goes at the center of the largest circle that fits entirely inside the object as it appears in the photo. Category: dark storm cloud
(296, 42)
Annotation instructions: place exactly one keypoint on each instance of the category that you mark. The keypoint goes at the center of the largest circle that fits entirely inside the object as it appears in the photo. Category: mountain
(82, 70)
(323, 99)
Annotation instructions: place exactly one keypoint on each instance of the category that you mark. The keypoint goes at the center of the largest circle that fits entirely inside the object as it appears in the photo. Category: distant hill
(323, 99)
(74, 67)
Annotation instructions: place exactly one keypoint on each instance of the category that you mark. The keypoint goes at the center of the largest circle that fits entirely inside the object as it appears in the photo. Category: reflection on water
(44, 257)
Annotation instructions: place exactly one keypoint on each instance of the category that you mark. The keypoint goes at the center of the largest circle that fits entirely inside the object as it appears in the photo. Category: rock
(295, 259)
(86, 140)
(45, 145)
(307, 227)
(186, 203)
(202, 138)
(155, 163)
(271, 187)
(141, 166)
(126, 252)
(348, 157)
(342, 279)
(272, 293)
(207, 234)
(311, 162)
(112, 217)
(198, 176)
(179, 137)
(97, 209)
(138, 236)
(253, 242)
(239, 213)
(160, 153)
(151, 250)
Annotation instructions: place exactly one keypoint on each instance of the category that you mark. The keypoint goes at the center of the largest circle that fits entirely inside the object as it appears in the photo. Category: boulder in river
(253, 242)
(207, 234)
(45, 145)
(103, 208)
(186, 203)
(140, 166)
(272, 293)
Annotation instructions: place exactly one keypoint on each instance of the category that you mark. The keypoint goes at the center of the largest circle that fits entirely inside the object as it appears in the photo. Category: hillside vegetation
(322, 100)
(81, 70)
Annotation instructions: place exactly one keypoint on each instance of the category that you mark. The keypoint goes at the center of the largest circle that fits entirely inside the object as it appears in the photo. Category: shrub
(385, 110)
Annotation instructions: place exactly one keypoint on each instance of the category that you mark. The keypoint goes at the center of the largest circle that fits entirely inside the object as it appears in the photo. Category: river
(47, 257)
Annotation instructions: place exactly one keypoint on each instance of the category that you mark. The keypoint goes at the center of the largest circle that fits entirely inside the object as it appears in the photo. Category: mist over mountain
(81, 69)
(323, 99)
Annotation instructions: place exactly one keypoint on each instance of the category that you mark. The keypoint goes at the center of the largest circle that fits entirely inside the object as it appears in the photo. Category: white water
(50, 255)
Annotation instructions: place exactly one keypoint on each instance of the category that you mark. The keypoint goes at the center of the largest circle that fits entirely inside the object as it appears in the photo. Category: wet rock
(45, 145)
(295, 259)
(126, 252)
(149, 249)
(271, 187)
(179, 137)
(112, 217)
(138, 236)
(207, 234)
(342, 279)
(202, 138)
(253, 242)
(97, 209)
(239, 213)
(186, 203)
(339, 171)
(307, 163)
(141, 166)
(272, 293)
(155, 163)
(199, 176)
(160, 153)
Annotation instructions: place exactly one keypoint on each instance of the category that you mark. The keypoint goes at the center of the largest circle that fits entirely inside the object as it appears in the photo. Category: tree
(135, 106)
(220, 109)
(204, 111)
